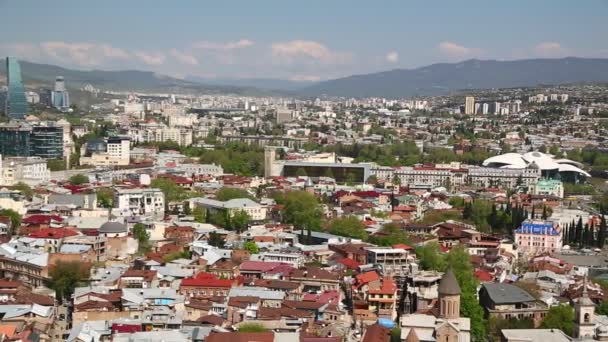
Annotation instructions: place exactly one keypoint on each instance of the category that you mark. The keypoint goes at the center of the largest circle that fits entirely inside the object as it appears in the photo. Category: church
(445, 325)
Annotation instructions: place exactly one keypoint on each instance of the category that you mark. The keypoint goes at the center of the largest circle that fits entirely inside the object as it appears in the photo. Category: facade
(114, 151)
(162, 133)
(46, 141)
(16, 104)
(502, 177)
(43, 140)
(201, 169)
(60, 98)
(139, 202)
(535, 237)
(393, 261)
(29, 170)
(469, 105)
(548, 187)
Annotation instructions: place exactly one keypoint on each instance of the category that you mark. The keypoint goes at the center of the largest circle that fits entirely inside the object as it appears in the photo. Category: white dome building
(550, 167)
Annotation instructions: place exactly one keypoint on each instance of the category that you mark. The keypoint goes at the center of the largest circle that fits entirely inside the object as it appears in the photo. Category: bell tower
(584, 310)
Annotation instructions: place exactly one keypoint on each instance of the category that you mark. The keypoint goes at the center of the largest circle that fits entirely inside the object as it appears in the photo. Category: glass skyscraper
(16, 104)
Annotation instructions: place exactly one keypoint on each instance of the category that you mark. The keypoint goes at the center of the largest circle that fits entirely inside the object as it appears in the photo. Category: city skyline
(238, 40)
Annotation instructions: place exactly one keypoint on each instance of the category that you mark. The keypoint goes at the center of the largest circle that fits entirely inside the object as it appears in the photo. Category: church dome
(448, 284)
(112, 228)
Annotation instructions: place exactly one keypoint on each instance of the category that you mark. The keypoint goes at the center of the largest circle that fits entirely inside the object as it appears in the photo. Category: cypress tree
(601, 234)
(579, 232)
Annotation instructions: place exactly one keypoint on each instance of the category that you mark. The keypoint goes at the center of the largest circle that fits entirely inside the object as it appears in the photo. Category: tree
(559, 317)
(239, 220)
(252, 328)
(65, 276)
(302, 210)
(601, 234)
(373, 180)
(251, 247)
(56, 164)
(430, 257)
(170, 189)
(25, 189)
(396, 334)
(390, 234)
(349, 226)
(602, 309)
(142, 236)
(300, 172)
(15, 219)
(105, 197)
(199, 214)
(459, 260)
(216, 240)
(78, 179)
(226, 194)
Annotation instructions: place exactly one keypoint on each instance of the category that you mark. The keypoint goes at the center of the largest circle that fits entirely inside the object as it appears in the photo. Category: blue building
(60, 98)
(16, 103)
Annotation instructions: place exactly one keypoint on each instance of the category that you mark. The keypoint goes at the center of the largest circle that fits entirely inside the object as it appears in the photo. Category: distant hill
(259, 83)
(123, 80)
(442, 78)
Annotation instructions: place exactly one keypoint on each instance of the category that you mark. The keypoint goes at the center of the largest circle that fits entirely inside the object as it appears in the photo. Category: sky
(297, 40)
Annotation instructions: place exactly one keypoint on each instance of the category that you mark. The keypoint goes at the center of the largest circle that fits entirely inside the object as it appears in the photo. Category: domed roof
(113, 227)
(448, 284)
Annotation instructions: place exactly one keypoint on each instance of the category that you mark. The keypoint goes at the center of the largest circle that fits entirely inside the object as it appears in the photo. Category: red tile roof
(42, 219)
(53, 233)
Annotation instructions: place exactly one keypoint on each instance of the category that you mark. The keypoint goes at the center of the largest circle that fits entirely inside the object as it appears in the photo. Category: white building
(139, 202)
(29, 170)
(469, 105)
(201, 169)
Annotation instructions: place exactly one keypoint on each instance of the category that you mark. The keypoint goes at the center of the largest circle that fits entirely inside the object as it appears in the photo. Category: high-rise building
(60, 98)
(43, 140)
(469, 105)
(16, 103)
(485, 108)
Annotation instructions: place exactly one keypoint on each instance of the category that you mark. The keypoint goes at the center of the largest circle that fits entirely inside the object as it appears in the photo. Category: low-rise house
(508, 301)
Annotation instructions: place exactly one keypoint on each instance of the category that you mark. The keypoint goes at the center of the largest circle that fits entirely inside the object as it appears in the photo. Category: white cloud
(458, 51)
(207, 45)
(113, 52)
(305, 78)
(550, 49)
(183, 57)
(79, 53)
(392, 57)
(292, 50)
(150, 58)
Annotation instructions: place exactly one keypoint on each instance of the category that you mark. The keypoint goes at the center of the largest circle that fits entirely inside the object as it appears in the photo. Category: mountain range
(442, 78)
(123, 80)
(435, 79)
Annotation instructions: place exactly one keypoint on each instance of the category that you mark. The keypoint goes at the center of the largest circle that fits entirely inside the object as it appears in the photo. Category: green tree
(170, 189)
(390, 234)
(78, 179)
(430, 257)
(251, 247)
(300, 172)
(252, 328)
(142, 236)
(15, 219)
(373, 180)
(459, 260)
(239, 221)
(199, 214)
(226, 194)
(65, 276)
(216, 240)
(559, 317)
(25, 189)
(396, 334)
(349, 226)
(602, 309)
(56, 164)
(601, 234)
(105, 197)
(302, 210)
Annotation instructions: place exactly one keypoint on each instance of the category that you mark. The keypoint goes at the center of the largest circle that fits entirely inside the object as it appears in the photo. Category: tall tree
(601, 234)
(302, 210)
(560, 317)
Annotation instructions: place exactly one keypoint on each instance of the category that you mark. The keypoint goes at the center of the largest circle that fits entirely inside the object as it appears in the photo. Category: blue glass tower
(16, 104)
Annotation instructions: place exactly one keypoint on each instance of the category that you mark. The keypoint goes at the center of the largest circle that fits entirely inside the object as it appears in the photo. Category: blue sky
(300, 40)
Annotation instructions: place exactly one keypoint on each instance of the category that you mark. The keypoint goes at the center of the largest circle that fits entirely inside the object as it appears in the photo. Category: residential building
(506, 301)
(29, 170)
(394, 261)
(60, 98)
(139, 202)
